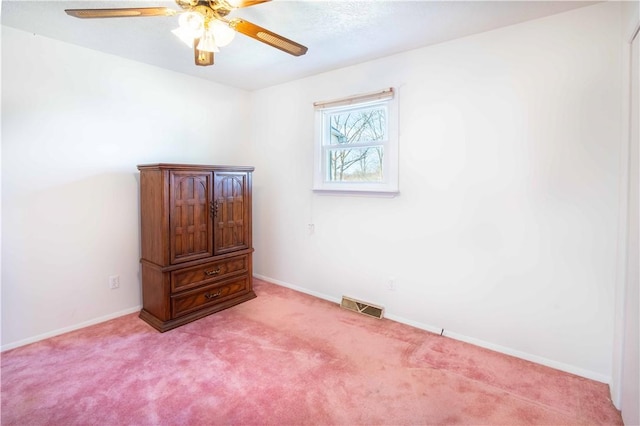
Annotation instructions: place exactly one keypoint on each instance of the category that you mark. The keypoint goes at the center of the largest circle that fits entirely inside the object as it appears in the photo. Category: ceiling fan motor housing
(210, 9)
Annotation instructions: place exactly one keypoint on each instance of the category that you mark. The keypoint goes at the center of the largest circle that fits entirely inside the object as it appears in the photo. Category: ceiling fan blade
(120, 13)
(268, 37)
(245, 3)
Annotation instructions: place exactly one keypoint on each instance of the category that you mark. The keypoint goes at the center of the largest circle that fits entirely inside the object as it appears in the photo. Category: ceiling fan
(204, 25)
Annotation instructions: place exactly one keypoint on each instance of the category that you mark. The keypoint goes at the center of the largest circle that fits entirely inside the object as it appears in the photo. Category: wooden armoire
(195, 241)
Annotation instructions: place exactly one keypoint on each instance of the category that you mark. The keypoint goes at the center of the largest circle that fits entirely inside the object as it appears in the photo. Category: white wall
(630, 384)
(75, 123)
(625, 388)
(504, 233)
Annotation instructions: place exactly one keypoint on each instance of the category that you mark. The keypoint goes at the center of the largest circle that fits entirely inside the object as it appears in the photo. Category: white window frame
(389, 185)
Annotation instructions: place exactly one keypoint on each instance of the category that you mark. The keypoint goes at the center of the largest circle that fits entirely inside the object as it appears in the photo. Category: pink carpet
(285, 358)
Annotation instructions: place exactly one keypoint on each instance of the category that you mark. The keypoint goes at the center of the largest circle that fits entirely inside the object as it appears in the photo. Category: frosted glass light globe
(221, 32)
(193, 23)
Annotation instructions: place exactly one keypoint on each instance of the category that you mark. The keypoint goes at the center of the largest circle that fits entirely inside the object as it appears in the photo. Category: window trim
(389, 186)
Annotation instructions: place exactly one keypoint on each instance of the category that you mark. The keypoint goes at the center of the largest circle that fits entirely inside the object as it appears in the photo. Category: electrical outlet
(114, 282)
(311, 228)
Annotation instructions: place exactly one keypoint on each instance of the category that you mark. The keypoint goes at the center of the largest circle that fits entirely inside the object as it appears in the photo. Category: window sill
(357, 192)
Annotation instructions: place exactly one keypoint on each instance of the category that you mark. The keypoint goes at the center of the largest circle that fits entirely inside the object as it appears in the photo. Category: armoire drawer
(190, 301)
(184, 279)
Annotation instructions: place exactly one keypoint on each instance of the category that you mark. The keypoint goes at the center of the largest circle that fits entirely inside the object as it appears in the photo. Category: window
(357, 144)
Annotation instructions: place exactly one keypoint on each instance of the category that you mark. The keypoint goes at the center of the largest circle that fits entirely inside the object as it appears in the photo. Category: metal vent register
(361, 307)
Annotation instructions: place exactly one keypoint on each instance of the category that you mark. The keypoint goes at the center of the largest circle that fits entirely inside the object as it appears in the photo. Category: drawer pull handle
(213, 295)
(214, 272)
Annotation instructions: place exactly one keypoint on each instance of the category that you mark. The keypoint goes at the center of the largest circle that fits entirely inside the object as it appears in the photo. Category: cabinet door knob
(214, 272)
(213, 295)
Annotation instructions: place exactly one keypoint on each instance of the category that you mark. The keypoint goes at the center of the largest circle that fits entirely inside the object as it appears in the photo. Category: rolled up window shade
(356, 99)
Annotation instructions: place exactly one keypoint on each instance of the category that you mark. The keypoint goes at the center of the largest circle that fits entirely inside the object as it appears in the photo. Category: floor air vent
(363, 308)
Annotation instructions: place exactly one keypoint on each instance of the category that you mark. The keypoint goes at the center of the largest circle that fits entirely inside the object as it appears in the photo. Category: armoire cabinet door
(231, 212)
(190, 215)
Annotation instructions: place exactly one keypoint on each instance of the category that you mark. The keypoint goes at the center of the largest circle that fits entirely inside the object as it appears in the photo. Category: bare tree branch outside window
(356, 152)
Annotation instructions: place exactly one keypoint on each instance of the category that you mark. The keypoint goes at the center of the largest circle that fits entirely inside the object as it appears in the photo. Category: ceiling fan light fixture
(208, 42)
(185, 35)
(192, 22)
(222, 33)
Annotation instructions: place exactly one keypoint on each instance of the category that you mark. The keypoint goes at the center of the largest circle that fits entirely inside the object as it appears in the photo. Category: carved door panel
(231, 212)
(190, 215)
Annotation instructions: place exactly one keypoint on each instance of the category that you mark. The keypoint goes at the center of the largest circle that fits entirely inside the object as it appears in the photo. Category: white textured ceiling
(337, 33)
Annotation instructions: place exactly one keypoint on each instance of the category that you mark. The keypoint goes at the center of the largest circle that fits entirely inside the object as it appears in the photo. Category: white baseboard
(568, 368)
(461, 337)
(427, 327)
(68, 329)
(300, 289)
